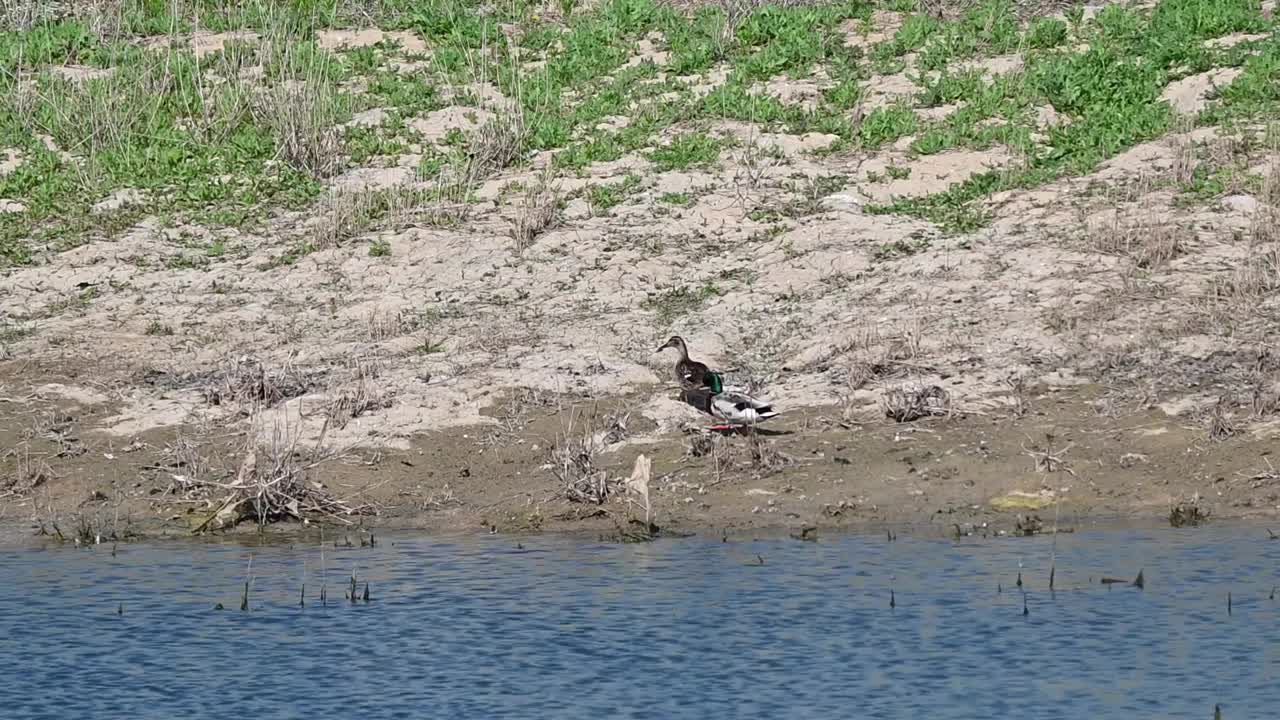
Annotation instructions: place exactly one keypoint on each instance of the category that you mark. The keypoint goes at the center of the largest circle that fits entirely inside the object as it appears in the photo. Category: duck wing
(740, 408)
(699, 398)
(693, 374)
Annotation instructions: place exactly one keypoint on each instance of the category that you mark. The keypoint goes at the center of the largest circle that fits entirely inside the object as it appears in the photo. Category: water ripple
(692, 628)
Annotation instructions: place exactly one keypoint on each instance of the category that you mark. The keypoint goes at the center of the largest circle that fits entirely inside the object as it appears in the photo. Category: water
(696, 628)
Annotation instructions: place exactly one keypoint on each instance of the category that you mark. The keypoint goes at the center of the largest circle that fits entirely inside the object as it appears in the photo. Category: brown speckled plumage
(690, 373)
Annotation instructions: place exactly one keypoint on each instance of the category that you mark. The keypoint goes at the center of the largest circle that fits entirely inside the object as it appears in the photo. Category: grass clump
(988, 29)
(1113, 100)
(1109, 93)
(678, 199)
(687, 151)
(676, 302)
(604, 197)
(232, 135)
(1047, 33)
(1255, 94)
(886, 124)
(536, 213)
(197, 135)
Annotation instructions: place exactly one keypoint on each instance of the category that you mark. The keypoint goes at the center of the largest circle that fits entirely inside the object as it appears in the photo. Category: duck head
(677, 342)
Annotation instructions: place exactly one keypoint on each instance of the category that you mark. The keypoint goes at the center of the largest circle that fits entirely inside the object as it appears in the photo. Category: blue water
(692, 628)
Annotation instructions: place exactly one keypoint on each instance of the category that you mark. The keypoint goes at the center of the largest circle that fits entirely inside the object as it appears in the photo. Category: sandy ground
(1104, 346)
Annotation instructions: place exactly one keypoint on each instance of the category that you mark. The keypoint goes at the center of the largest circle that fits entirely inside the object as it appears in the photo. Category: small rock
(1246, 204)
(11, 206)
(119, 199)
(1047, 116)
(843, 202)
(10, 160)
(369, 118)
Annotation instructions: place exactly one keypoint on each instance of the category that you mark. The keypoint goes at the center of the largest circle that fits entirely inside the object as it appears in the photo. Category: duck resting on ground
(692, 374)
(735, 409)
(703, 389)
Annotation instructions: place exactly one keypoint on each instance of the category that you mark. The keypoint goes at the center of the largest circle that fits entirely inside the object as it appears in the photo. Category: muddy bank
(1058, 459)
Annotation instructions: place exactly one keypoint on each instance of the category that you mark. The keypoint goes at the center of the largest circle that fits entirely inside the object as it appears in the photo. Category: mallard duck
(692, 374)
(734, 408)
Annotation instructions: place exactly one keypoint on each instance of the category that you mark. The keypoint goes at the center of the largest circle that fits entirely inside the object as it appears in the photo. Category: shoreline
(434, 292)
(14, 537)
(816, 468)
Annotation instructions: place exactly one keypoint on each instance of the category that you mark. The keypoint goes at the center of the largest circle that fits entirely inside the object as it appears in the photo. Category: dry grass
(184, 454)
(1221, 421)
(753, 164)
(1250, 284)
(274, 482)
(1049, 458)
(358, 392)
(535, 214)
(1264, 401)
(301, 116)
(725, 454)
(1240, 300)
(908, 403)
(1270, 194)
(857, 376)
(1026, 9)
(29, 474)
(572, 458)
(381, 325)
(515, 415)
(25, 14)
(1264, 226)
(702, 444)
(716, 447)
(1187, 515)
(572, 461)
(346, 214)
(1019, 393)
(1183, 170)
(304, 107)
(492, 148)
(766, 456)
(245, 382)
(495, 146)
(1150, 244)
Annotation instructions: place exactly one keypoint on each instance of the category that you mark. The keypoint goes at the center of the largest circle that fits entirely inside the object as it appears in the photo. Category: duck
(734, 409)
(691, 374)
(703, 388)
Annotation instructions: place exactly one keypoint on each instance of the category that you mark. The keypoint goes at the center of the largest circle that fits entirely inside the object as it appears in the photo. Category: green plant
(1047, 33)
(686, 151)
(430, 347)
(157, 328)
(988, 29)
(887, 124)
(678, 199)
(898, 173)
(13, 333)
(680, 300)
(899, 249)
(604, 197)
